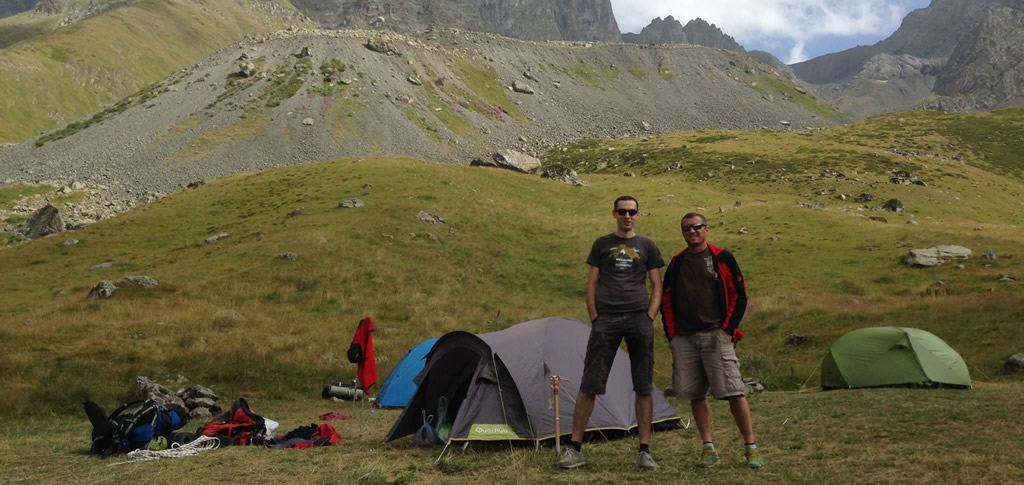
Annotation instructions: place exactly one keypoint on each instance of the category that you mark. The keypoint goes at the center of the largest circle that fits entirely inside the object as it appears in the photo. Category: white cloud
(794, 23)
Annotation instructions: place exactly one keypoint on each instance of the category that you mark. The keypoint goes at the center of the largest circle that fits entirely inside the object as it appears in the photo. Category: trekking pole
(558, 438)
(355, 384)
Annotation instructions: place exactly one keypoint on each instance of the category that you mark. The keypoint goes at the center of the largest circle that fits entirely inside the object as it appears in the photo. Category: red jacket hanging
(367, 371)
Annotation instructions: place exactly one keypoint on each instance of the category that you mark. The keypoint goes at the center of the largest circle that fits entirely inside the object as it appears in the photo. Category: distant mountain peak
(671, 31)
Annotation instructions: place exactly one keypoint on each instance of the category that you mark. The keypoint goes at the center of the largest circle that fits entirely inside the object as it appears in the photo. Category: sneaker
(708, 458)
(645, 461)
(754, 458)
(571, 459)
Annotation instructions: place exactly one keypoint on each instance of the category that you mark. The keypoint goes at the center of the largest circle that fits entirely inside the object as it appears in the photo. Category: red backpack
(239, 425)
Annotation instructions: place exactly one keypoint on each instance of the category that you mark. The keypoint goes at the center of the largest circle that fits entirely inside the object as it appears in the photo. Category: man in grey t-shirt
(619, 308)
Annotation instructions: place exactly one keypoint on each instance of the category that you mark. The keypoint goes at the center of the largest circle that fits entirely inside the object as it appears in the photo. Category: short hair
(693, 214)
(624, 198)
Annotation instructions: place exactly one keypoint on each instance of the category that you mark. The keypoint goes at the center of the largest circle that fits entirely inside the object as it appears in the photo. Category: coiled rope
(192, 448)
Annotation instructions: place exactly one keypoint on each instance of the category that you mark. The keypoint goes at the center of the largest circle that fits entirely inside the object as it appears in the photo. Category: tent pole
(558, 437)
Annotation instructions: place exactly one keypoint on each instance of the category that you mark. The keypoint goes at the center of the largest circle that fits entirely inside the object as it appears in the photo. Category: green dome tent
(892, 356)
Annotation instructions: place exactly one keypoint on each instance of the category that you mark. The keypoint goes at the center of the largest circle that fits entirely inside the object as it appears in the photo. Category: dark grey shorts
(606, 333)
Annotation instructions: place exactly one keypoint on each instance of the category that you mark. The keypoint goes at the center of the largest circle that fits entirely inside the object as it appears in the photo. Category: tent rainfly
(497, 385)
(892, 356)
(399, 387)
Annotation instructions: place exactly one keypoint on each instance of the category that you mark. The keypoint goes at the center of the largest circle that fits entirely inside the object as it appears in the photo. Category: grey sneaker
(645, 461)
(571, 459)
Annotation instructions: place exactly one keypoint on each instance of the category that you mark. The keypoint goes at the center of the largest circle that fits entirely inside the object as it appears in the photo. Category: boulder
(214, 238)
(382, 46)
(511, 160)
(521, 87)
(104, 289)
(288, 256)
(566, 175)
(351, 203)
(44, 222)
(863, 198)
(893, 205)
(1015, 364)
(429, 218)
(926, 258)
(140, 280)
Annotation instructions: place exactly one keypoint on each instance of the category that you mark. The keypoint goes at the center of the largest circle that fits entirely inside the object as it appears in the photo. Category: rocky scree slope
(445, 96)
(902, 71)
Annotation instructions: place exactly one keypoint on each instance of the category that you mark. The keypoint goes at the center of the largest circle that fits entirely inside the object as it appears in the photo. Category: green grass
(48, 80)
(286, 82)
(484, 84)
(638, 71)
(665, 72)
(11, 194)
(785, 89)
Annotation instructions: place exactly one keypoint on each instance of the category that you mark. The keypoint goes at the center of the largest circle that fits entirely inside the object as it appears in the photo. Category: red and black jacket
(732, 292)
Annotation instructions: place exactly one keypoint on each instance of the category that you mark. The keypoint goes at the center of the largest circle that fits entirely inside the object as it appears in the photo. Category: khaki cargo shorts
(705, 360)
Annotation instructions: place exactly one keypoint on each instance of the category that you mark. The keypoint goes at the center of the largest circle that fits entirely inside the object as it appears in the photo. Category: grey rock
(864, 198)
(893, 205)
(415, 81)
(351, 203)
(382, 46)
(203, 402)
(216, 237)
(288, 256)
(140, 280)
(431, 236)
(521, 87)
(308, 122)
(934, 256)
(1006, 278)
(103, 265)
(1014, 364)
(429, 218)
(104, 289)
(44, 222)
(200, 414)
(70, 242)
(566, 175)
(989, 254)
(511, 160)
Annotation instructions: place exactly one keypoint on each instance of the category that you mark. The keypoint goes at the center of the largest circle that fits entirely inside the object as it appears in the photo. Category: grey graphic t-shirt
(624, 263)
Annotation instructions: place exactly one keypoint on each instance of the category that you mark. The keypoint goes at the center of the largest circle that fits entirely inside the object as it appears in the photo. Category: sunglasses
(623, 212)
(695, 227)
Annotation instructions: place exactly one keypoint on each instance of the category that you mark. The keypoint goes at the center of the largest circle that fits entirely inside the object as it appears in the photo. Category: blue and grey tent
(399, 387)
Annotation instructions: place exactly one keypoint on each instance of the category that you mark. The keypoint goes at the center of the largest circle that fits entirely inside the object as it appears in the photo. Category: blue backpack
(127, 429)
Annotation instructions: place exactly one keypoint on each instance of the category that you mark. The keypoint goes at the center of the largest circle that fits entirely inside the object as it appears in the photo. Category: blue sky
(792, 30)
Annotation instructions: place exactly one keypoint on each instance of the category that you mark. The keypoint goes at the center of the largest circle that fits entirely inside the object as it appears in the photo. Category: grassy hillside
(512, 249)
(53, 79)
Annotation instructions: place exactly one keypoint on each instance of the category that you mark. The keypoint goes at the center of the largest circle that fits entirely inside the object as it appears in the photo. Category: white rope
(192, 448)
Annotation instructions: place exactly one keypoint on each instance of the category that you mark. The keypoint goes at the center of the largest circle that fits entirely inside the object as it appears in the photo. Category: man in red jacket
(703, 300)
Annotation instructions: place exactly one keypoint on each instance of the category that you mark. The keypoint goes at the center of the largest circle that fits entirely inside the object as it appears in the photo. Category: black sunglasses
(695, 227)
(623, 212)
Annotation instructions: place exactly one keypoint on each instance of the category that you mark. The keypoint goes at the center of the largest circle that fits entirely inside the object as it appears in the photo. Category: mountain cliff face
(954, 55)
(987, 66)
(590, 20)
(696, 31)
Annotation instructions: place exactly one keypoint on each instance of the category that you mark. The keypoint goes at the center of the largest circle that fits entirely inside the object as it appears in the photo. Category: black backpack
(130, 428)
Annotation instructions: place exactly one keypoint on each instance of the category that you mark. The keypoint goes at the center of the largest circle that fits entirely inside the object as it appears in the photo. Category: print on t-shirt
(624, 256)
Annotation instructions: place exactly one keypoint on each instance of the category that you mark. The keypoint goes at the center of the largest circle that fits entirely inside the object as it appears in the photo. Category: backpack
(131, 428)
(239, 426)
